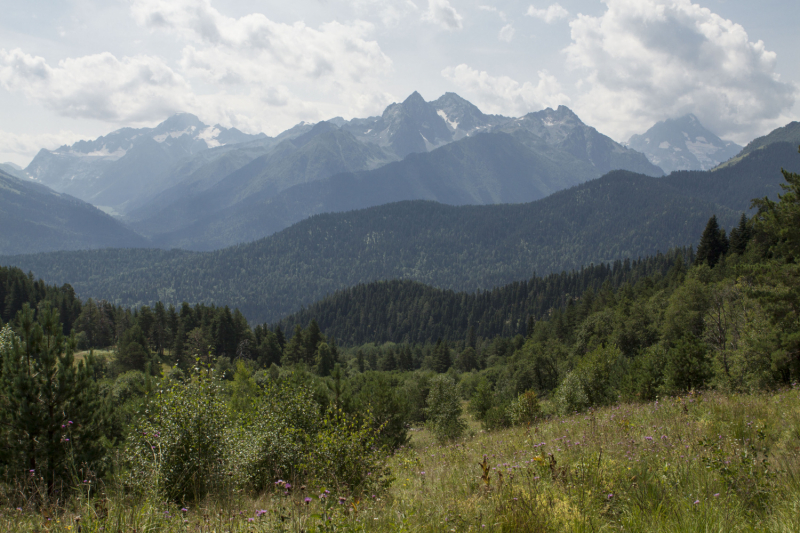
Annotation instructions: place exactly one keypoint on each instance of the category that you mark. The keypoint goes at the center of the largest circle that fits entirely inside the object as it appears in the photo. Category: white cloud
(505, 95)
(390, 12)
(506, 33)
(646, 60)
(99, 86)
(254, 48)
(442, 13)
(550, 14)
(20, 148)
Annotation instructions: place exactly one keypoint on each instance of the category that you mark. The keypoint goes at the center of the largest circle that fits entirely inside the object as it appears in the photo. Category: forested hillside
(34, 218)
(410, 312)
(621, 215)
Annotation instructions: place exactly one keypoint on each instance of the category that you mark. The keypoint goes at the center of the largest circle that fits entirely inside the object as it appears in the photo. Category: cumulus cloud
(442, 13)
(506, 33)
(254, 48)
(549, 14)
(505, 95)
(100, 86)
(20, 148)
(646, 60)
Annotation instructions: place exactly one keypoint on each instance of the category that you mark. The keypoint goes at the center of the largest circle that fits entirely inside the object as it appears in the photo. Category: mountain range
(186, 184)
(683, 144)
(620, 215)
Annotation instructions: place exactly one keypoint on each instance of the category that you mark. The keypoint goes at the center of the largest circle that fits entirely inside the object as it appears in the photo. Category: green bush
(444, 409)
(344, 454)
(178, 449)
(524, 409)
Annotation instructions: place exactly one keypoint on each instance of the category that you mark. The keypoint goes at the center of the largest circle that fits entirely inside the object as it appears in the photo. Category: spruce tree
(713, 243)
(324, 359)
(740, 236)
(441, 357)
(295, 350)
(311, 340)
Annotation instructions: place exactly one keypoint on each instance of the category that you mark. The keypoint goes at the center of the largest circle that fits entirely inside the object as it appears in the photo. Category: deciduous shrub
(524, 409)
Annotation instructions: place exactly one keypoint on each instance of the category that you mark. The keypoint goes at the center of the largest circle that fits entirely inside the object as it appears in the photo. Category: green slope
(34, 218)
(787, 134)
(411, 312)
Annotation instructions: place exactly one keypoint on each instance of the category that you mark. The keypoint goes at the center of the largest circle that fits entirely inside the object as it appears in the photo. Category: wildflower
(307, 500)
(610, 496)
(716, 495)
(696, 502)
(648, 438)
(183, 510)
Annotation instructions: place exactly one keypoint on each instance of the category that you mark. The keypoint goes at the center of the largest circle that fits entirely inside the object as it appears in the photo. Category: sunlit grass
(706, 463)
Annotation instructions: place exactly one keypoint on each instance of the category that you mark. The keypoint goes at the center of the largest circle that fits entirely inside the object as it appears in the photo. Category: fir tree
(441, 357)
(740, 236)
(713, 243)
(324, 359)
(295, 351)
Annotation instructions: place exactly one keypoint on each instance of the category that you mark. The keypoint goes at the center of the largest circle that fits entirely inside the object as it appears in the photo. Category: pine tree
(441, 357)
(52, 418)
(360, 361)
(324, 359)
(280, 337)
(295, 350)
(740, 236)
(311, 340)
(713, 243)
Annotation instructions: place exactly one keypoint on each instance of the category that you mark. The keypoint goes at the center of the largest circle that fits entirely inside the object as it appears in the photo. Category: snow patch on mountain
(452, 123)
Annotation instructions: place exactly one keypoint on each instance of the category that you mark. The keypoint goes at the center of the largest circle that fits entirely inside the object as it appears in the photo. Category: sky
(78, 69)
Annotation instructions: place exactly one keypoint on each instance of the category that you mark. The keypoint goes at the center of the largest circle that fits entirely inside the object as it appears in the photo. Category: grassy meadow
(701, 462)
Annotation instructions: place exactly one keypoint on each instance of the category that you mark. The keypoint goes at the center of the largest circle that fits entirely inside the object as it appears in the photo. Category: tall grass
(706, 462)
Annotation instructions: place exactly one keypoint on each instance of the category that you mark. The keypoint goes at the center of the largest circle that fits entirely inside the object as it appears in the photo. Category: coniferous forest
(616, 395)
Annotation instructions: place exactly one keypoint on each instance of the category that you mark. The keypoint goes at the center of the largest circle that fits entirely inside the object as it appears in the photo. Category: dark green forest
(410, 312)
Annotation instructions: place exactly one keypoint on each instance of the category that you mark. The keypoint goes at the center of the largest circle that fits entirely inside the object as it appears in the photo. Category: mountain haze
(36, 218)
(683, 144)
(493, 160)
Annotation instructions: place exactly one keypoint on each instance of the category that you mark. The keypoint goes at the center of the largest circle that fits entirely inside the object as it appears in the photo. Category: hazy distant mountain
(683, 144)
(545, 152)
(120, 168)
(562, 129)
(313, 156)
(35, 218)
(463, 118)
(13, 170)
(489, 168)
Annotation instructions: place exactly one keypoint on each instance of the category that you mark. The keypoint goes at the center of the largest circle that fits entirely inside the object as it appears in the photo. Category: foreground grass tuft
(705, 462)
